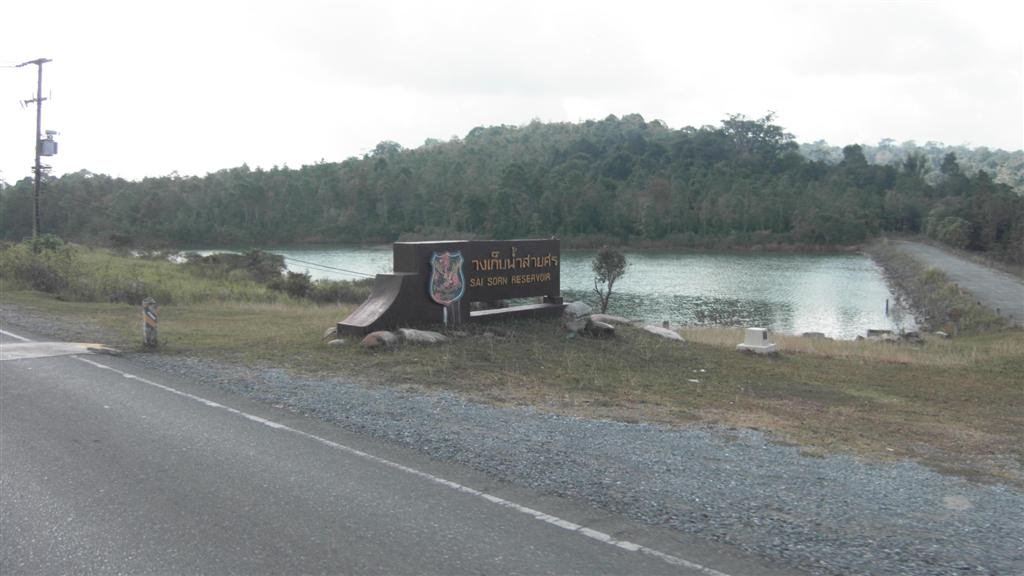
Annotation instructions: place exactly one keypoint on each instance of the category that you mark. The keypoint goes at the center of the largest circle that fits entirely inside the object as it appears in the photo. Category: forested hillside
(1003, 166)
(625, 180)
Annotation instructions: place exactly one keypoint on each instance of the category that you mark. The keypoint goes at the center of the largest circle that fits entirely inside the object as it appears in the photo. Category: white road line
(13, 335)
(553, 520)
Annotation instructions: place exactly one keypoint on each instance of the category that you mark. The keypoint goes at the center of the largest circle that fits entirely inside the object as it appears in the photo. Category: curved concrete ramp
(394, 297)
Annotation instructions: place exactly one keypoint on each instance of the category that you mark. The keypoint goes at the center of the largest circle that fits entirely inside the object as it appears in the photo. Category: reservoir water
(840, 295)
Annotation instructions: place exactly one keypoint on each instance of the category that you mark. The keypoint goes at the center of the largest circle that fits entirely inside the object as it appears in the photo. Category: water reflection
(695, 310)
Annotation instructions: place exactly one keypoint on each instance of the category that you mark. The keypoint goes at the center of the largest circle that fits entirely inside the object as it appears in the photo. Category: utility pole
(39, 136)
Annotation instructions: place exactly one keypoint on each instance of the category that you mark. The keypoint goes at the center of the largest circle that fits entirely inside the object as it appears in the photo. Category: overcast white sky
(146, 88)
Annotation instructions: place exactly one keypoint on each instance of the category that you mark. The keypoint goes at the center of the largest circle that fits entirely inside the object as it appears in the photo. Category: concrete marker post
(149, 333)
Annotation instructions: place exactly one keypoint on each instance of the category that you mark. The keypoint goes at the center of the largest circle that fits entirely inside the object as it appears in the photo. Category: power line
(317, 267)
(325, 266)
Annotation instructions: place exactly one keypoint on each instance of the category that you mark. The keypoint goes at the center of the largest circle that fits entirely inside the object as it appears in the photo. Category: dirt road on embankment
(993, 288)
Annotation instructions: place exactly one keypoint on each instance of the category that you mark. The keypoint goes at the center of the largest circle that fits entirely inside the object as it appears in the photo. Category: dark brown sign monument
(434, 283)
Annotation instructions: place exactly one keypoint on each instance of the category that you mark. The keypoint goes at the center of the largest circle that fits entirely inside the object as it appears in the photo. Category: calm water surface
(839, 295)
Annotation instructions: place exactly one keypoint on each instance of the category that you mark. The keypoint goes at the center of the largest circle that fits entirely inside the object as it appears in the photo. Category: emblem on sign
(447, 282)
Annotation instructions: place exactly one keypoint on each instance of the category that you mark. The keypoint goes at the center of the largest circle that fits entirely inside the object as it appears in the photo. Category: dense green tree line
(1006, 167)
(618, 180)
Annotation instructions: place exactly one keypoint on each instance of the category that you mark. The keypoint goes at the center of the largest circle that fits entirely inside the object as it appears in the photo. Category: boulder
(600, 329)
(331, 333)
(577, 309)
(574, 325)
(337, 342)
(664, 332)
(609, 319)
(421, 336)
(379, 339)
(816, 335)
(575, 317)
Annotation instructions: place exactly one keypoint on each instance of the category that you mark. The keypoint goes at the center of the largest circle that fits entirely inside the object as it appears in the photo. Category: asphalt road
(993, 288)
(107, 469)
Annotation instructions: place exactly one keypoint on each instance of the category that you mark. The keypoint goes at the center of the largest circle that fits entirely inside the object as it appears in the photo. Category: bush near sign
(493, 270)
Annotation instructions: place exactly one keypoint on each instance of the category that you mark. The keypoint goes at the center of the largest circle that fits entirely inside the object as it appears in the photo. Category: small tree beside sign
(609, 265)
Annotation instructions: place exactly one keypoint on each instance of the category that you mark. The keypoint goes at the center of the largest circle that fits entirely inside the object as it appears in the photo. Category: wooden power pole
(39, 137)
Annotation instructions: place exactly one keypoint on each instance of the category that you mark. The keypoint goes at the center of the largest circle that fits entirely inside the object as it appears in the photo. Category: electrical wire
(332, 268)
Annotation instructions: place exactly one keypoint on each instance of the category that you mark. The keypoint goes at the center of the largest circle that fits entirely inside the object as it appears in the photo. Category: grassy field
(956, 404)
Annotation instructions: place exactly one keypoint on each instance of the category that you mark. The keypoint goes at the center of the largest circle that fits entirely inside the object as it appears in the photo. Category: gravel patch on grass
(832, 515)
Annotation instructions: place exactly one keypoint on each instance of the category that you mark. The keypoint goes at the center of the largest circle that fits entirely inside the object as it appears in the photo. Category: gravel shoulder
(994, 288)
(829, 516)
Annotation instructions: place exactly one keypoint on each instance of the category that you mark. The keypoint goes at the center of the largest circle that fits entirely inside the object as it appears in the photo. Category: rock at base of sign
(575, 317)
(577, 309)
(609, 319)
(379, 339)
(575, 325)
(421, 336)
(337, 342)
(600, 329)
(664, 332)
(331, 333)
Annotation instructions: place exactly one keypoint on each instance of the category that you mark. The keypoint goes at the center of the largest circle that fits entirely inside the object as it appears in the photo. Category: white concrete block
(757, 340)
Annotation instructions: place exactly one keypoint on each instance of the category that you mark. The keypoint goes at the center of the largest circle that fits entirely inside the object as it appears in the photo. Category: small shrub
(128, 291)
(260, 266)
(953, 231)
(340, 291)
(295, 284)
